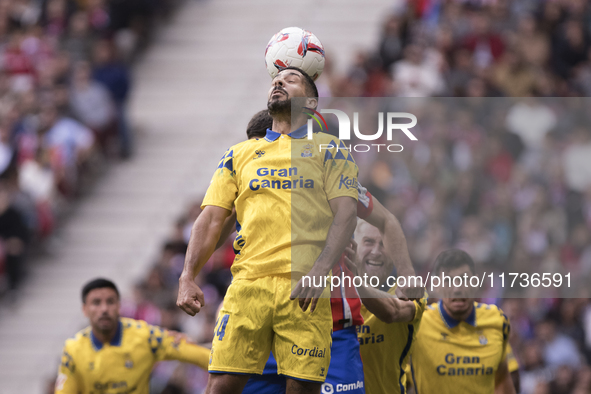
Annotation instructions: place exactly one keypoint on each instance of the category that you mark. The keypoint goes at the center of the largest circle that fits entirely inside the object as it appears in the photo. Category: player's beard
(279, 108)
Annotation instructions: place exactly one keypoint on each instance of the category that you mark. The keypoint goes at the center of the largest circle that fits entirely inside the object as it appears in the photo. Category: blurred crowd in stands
(64, 84)
(512, 187)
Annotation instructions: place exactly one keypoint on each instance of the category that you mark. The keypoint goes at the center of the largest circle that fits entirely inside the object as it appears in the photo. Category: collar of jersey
(116, 341)
(450, 322)
(298, 133)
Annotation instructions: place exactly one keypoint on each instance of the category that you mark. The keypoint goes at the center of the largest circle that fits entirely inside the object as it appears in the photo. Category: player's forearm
(191, 353)
(505, 387)
(386, 307)
(227, 229)
(503, 382)
(394, 239)
(338, 237)
(204, 236)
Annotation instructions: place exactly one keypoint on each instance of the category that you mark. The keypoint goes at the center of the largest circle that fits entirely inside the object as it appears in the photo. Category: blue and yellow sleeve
(340, 171)
(420, 306)
(506, 331)
(165, 347)
(223, 188)
(512, 363)
(66, 382)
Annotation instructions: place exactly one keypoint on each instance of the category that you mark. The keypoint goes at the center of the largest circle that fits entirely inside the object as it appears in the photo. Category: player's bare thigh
(226, 383)
(297, 386)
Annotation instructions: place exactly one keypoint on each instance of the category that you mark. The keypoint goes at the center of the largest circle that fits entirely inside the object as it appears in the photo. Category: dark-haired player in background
(462, 344)
(115, 354)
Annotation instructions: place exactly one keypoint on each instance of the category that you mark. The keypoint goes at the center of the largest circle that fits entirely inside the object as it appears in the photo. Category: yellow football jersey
(123, 366)
(459, 357)
(280, 186)
(385, 350)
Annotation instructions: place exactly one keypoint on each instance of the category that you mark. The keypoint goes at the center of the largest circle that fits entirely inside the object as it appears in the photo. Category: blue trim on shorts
(230, 373)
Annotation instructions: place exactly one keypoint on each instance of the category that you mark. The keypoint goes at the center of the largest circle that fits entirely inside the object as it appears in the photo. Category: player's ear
(311, 102)
(84, 309)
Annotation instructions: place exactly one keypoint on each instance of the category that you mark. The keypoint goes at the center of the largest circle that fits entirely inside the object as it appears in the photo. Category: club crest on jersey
(128, 361)
(259, 154)
(307, 150)
(483, 340)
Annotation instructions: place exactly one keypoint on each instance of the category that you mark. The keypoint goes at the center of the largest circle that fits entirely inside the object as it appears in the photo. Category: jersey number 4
(221, 331)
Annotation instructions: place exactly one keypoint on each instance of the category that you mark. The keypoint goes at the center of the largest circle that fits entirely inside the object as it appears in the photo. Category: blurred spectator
(78, 42)
(414, 76)
(392, 42)
(531, 120)
(485, 45)
(14, 235)
(69, 143)
(91, 103)
(533, 369)
(558, 349)
(576, 160)
(114, 75)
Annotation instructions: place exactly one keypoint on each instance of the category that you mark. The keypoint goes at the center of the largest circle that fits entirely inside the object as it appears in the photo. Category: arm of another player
(395, 245)
(503, 381)
(387, 307)
(66, 382)
(384, 306)
(513, 367)
(344, 210)
(204, 237)
(177, 346)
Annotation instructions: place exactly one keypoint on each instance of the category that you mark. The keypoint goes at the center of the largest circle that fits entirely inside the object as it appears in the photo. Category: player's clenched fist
(190, 298)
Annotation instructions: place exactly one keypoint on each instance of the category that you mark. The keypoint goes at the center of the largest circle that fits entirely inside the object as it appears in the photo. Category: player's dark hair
(311, 85)
(99, 283)
(451, 259)
(258, 125)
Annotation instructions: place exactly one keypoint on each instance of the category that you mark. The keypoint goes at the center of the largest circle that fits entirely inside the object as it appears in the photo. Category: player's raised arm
(344, 210)
(204, 237)
(394, 244)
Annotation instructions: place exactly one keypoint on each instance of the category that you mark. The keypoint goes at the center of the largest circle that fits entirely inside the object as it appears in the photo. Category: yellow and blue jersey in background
(454, 356)
(280, 186)
(386, 348)
(124, 365)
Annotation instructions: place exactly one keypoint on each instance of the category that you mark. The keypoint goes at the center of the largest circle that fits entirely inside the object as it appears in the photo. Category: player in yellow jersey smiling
(390, 327)
(295, 212)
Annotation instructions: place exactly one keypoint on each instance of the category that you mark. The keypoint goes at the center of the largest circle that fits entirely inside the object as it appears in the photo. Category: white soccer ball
(295, 47)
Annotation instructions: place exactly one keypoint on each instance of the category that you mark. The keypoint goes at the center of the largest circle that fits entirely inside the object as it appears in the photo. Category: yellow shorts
(258, 317)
